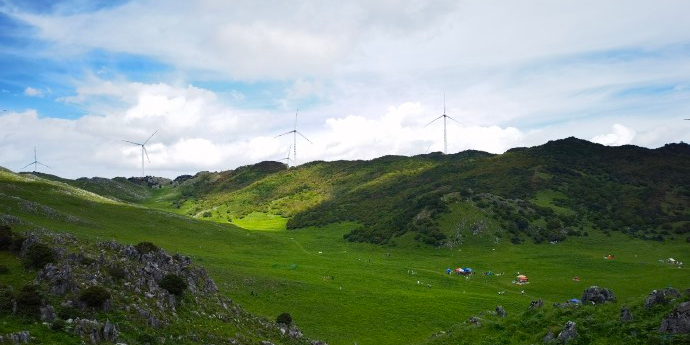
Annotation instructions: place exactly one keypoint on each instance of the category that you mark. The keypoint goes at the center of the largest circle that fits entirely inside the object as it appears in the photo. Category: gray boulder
(500, 311)
(663, 296)
(678, 321)
(536, 304)
(568, 333)
(626, 315)
(597, 295)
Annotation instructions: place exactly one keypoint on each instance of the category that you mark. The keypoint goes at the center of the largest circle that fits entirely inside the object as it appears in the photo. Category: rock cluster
(678, 321)
(662, 296)
(95, 331)
(597, 295)
(536, 304)
(568, 333)
(22, 337)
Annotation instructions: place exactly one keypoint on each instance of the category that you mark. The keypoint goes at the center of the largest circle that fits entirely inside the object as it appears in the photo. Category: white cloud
(365, 75)
(621, 135)
(31, 92)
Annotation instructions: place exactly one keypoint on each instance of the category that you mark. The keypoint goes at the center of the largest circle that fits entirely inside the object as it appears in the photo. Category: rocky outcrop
(536, 304)
(663, 296)
(500, 312)
(626, 315)
(568, 333)
(678, 321)
(48, 313)
(597, 295)
(95, 331)
(22, 337)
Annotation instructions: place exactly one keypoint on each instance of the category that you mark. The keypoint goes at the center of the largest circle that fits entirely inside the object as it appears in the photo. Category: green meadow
(343, 292)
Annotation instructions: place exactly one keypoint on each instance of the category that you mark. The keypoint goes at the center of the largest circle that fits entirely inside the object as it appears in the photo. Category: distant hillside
(543, 193)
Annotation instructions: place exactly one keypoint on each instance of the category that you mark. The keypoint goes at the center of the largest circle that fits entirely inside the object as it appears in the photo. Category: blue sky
(219, 79)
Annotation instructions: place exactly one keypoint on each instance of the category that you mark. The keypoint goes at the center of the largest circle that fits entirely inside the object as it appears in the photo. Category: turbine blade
(453, 119)
(30, 164)
(147, 140)
(131, 142)
(296, 119)
(43, 164)
(284, 133)
(305, 138)
(432, 121)
(146, 152)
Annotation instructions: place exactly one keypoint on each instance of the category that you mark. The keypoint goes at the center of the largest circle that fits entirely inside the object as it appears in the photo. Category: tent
(521, 279)
(465, 271)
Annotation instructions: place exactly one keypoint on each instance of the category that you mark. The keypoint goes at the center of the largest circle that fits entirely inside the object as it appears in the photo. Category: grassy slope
(352, 292)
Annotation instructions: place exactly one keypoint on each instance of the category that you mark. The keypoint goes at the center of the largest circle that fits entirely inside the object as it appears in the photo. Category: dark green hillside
(543, 193)
(118, 188)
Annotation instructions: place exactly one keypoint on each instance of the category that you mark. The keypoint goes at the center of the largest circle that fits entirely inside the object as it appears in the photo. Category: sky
(219, 81)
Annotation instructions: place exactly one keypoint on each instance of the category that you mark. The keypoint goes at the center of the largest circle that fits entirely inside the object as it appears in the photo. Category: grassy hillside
(345, 292)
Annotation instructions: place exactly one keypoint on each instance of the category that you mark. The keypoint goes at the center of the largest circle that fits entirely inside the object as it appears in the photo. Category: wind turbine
(287, 159)
(294, 139)
(444, 116)
(143, 151)
(35, 162)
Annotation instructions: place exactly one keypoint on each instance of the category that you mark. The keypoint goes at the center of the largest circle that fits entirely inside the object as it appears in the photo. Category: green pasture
(347, 293)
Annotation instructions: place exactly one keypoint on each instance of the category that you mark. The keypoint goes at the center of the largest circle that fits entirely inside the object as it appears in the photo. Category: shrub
(67, 313)
(5, 237)
(6, 299)
(4, 269)
(117, 272)
(17, 243)
(58, 325)
(38, 255)
(94, 296)
(29, 300)
(173, 284)
(146, 247)
(284, 319)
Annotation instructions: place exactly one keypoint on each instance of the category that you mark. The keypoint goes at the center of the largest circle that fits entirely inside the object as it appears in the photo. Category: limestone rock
(678, 321)
(568, 333)
(663, 296)
(500, 311)
(597, 295)
(626, 315)
(536, 304)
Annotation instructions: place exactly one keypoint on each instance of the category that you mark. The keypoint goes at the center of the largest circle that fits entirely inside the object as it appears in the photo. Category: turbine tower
(444, 116)
(294, 140)
(143, 151)
(287, 159)
(35, 162)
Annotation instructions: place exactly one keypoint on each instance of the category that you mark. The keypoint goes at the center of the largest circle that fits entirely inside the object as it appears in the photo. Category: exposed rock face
(597, 295)
(500, 311)
(663, 296)
(568, 333)
(678, 321)
(22, 337)
(549, 337)
(48, 313)
(536, 304)
(626, 315)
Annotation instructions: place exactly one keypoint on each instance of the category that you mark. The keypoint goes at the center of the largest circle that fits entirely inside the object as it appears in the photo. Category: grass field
(347, 293)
